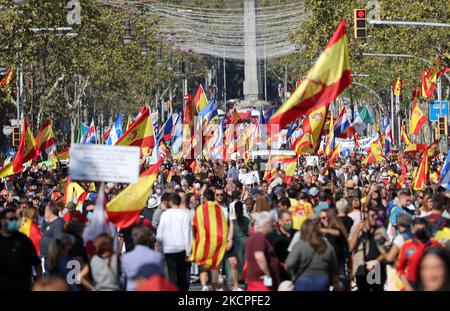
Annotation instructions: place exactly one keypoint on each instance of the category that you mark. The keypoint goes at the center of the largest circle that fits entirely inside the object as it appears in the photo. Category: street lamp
(127, 38)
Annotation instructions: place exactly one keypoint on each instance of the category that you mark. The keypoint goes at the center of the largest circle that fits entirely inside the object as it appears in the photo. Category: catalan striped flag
(323, 83)
(140, 134)
(7, 82)
(418, 118)
(45, 139)
(210, 235)
(125, 208)
(200, 100)
(31, 230)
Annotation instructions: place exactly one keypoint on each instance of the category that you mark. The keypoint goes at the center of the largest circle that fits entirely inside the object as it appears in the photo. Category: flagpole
(398, 118)
(392, 113)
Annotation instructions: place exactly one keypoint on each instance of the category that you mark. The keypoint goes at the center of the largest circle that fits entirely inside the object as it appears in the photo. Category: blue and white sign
(435, 110)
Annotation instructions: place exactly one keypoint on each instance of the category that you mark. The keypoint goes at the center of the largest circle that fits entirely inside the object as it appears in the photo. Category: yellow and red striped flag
(323, 83)
(200, 100)
(31, 230)
(125, 208)
(140, 134)
(397, 87)
(375, 155)
(27, 148)
(418, 118)
(402, 179)
(423, 173)
(429, 80)
(235, 118)
(303, 144)
(7, 82)
(63, 155)
(210, 235)
(45, 139)
(72, 191)
(405, 137)
(334, 156)
(290, 170)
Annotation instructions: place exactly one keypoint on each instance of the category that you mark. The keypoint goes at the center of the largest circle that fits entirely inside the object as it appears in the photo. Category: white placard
(312, 160)
(250, 178)
(104, 163)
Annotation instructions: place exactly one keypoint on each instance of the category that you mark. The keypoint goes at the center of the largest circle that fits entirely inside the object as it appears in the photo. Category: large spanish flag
(423, 174)
(210, 235)
(45, 139)
(125, 208)
(200, 99)
(140, 133)
(418, 118)
(27, 148)
(324, 82)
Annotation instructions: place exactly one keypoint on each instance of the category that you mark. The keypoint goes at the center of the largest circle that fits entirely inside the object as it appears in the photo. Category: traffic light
(360, 23)
(443, 126)
(16, 136)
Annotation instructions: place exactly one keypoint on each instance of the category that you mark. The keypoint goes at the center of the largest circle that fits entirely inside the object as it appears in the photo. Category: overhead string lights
(220, 31)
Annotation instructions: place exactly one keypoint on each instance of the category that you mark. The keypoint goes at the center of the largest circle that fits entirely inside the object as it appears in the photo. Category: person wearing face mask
(18, 255)
(412, 251)
(280, 238)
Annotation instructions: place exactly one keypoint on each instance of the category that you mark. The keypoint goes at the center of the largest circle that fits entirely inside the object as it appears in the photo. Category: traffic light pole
(406, 23)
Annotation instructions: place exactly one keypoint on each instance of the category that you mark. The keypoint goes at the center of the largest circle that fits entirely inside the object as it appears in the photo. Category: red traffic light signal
(360, 23)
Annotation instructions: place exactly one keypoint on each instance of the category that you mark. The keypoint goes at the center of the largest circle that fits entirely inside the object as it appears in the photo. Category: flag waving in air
(330, 142)
(418, 118)
(210, 235)
(140, 134)
(91, 137)
(116, 131)
(45, 139)
(423, 173)
(27, 148)
(329, 76)
(342, 124)
(397, 87)
(125, 208)
(200, 100)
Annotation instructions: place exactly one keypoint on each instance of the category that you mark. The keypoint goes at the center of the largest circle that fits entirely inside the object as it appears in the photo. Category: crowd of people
(354, 227)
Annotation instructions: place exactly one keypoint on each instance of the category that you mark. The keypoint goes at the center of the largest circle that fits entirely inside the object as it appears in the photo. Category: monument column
(252, 91)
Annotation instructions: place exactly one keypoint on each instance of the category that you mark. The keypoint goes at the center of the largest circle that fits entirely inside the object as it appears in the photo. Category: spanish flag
(140, 133)
(290, 170)
(423, 174)
(125, 208)
(375, 155)
(45, 139)
(414, 148)
(323, 83)
(303, 144)
(210, 235)
(63, 155)
(418, 118)
(429, 80)
(397, 87)
(27, 148)
(200, 100)
(72, 191)
(405, 137)
(31, 230)
(235, 118)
